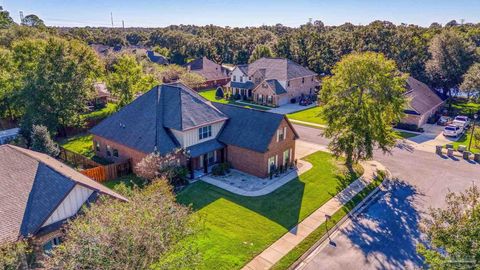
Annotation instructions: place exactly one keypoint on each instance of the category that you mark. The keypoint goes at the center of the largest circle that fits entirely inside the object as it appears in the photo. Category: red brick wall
(123, 151)
(256, 163)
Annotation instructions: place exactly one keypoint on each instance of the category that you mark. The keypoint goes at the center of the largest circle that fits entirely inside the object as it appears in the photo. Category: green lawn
(462, 107)
(102, 113)
(465, 140)
(81, 144)
(130, 181)
(406, 135)
(237, 228)
(312, 115)
(210, 95)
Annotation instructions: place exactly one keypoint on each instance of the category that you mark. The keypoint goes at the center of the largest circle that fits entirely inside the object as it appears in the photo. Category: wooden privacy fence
(77, 159)
(109, 172)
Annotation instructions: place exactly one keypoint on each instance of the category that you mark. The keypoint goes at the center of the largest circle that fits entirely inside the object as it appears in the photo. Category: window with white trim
(234, 78)
(286, 157)
(204, 132)
(281, 134)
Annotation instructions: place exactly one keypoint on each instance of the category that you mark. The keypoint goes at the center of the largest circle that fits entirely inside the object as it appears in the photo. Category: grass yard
(210, 95)
(406, 135)
(81, 144)
(312, 115)
(130, 181)
(102, 113)
(465, 140)
(463, 107)
(237, 228)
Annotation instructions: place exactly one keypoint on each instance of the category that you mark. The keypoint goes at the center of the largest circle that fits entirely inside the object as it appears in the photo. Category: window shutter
(284, 133)
(278, 135)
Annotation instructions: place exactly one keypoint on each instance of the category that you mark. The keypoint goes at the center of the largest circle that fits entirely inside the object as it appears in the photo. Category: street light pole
(473, 128)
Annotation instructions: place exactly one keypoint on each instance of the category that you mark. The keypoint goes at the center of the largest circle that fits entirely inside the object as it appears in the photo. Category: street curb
(360, 206)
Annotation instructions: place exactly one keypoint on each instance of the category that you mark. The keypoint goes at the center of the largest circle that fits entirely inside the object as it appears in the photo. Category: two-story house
(173, 116)
(272, 81)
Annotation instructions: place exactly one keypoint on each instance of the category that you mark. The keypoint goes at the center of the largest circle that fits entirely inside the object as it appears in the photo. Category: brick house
(173, 116)
(423, 102)
(215, 75)
(272, 81)
(39, 194)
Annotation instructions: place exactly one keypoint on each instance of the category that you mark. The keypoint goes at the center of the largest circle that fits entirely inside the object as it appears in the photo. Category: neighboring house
(101, 93)
(215, 75)
(173, 116)
(39, 194)
(423, 102)
(157, 58)
(8, 135)
(272, 81)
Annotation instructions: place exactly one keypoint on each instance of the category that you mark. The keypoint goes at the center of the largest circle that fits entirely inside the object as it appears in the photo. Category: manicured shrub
(219, 93)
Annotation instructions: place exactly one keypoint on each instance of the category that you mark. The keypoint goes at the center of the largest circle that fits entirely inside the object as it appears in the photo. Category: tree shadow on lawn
(387, 231)
(281, 206)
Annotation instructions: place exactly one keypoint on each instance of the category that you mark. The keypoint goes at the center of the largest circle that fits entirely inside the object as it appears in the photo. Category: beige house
(272, 81)
(423, 102)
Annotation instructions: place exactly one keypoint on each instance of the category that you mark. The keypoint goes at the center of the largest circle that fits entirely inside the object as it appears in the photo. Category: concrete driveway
(385, 234)
(291, 108)
(432, 137)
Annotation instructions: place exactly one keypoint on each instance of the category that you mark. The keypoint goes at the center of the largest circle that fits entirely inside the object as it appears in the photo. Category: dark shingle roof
(205, 147)
(245, 85)
(276, 86)
(144, 123)
(207, 69)
(276, 68)
(157, 58)
(32, 186)
(248, 128)
(421, 97)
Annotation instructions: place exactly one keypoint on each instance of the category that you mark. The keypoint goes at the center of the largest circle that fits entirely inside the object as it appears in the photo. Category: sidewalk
(287, 242)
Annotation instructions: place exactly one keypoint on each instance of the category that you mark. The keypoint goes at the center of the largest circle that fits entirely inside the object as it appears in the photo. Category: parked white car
(452, 131)
(461, 121)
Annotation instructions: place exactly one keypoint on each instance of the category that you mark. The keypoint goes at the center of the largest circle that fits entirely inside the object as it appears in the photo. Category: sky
(239, 13)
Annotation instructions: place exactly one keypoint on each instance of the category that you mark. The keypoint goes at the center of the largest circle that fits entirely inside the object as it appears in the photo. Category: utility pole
(111, 17)
(123, 24)
(22, 19)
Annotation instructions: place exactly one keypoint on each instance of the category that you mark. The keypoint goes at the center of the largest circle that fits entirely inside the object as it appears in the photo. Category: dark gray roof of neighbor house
(204, 147)
(249, 128)
(421, 97)
(244, 85)
(207, 69)
(277, 68)
(157, 58)
(32, 187)
(276, 86)
(145, 123)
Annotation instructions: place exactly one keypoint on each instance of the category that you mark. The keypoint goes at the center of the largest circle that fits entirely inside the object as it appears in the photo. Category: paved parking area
(427, 141)
(385, 234)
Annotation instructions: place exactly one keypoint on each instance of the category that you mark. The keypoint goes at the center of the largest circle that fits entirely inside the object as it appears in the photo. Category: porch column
(205, 163)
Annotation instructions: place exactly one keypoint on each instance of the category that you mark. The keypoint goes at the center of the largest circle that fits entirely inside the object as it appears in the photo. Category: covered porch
(203, 156)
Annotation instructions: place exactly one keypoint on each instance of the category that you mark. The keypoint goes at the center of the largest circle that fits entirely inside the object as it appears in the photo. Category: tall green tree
(5, 19)
(259, 52)
(33, 20)
(128, 79)
(471, 82)
(41, 141)
(57, 81)
(451, 55)
(362, 99)
(453, 232)
(10, 105)
(151, 231)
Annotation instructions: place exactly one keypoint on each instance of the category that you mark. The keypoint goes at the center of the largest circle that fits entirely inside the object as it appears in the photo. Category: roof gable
(421, 98)
(248, 128)
(278, 68)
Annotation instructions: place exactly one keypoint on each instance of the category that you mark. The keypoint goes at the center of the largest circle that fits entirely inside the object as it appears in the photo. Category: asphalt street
(385, 234)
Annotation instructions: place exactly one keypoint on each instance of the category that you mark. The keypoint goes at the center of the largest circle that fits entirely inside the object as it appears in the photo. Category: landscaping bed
(238, 228)
(210, 95)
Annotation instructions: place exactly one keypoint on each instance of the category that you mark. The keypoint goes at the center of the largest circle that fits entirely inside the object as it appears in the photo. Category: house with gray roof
(423, 102)
(272, 81)
(173, 116)
(215, 75)
(38, 194)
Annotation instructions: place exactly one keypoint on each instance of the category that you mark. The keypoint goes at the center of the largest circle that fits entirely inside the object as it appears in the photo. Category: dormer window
(204, 132)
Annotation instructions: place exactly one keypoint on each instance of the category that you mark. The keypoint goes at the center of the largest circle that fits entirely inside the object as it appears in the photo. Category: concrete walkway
(291, 108)
(287, 242)
(276, 183)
